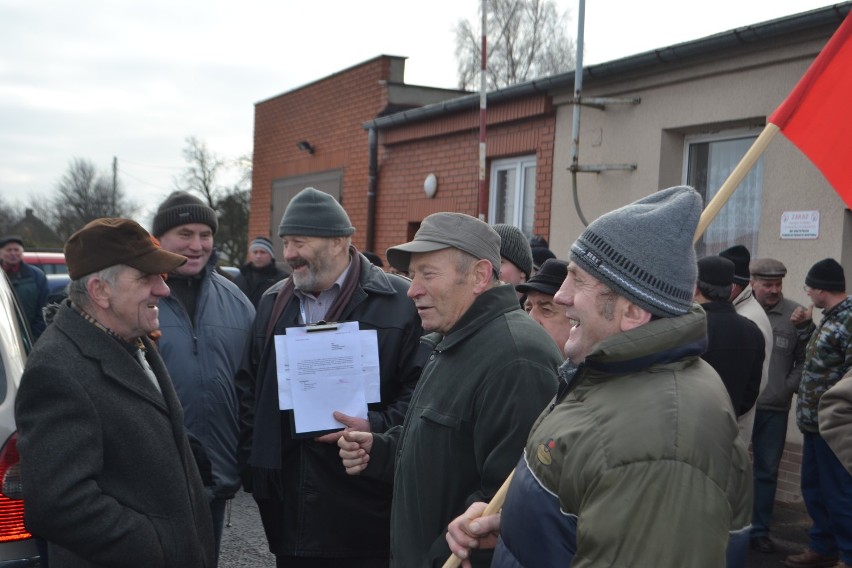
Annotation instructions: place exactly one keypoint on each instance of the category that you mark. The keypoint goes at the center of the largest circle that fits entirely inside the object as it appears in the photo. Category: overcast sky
(97, 79)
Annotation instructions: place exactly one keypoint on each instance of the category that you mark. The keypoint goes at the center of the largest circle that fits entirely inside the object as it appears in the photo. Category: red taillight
(11, 497)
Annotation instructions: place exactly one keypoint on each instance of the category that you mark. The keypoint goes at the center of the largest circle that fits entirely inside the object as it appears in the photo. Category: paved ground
(790, 524)
(243, 541)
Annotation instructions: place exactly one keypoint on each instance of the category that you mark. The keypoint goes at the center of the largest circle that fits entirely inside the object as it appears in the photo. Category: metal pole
(578, 88)
(483, 106)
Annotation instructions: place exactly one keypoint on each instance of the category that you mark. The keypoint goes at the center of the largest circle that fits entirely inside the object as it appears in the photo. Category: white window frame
(520, 165)
(720, 237)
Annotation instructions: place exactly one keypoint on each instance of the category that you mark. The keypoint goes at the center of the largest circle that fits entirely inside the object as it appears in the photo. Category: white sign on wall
(800, 225)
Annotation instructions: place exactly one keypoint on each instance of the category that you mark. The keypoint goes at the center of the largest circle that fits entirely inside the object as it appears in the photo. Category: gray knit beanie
(313, 213)
(643, 251)
(262, 243)
(515, 247)
(181, 208)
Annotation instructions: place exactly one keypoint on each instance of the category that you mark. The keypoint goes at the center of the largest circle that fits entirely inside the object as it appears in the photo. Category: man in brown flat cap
(108, 474)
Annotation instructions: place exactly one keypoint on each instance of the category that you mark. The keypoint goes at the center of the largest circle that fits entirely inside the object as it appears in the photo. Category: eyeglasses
(807, 289)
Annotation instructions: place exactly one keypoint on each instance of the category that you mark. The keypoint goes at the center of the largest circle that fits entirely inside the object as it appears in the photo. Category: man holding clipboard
(314, 515)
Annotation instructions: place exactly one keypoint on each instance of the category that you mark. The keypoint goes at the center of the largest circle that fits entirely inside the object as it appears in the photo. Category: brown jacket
(835, 419)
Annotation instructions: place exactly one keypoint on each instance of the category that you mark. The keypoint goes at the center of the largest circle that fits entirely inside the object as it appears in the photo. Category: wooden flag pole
(737, 176)
(725, 192)
(493, 506)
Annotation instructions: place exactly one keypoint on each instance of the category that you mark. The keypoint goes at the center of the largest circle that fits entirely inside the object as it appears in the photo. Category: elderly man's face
(767, 291)
(551, 317)
(194, 241)
(12, 253)
(132, 303)
(315, 262)
(440, 292)
(592, 308)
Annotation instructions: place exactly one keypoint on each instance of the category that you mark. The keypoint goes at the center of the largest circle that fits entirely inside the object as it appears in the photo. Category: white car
(17, 547)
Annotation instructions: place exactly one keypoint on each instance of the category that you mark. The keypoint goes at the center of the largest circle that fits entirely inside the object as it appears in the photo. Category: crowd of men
(615, 393)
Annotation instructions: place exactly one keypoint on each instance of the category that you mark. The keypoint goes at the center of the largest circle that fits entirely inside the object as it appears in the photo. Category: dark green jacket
(481, 389)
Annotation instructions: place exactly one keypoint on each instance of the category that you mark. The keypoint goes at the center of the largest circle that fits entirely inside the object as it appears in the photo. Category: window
(709, 160)
(512, 195)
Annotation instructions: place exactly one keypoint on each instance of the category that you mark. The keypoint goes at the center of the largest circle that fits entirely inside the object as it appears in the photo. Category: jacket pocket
(432, 416)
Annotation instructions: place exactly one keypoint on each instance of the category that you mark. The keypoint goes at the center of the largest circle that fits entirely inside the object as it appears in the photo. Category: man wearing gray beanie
(260, 272)
(638, 461)
(205, 324)
(516, 258)
(312, 512)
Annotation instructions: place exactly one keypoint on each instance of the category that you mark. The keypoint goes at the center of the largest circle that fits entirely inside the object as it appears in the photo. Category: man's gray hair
(78, 291)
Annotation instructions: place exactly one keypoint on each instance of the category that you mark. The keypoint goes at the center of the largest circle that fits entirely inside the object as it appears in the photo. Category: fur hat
(181, 208)
(643, 251)
(515, 247)
(827, 275)
(313, 213)
(740, 256)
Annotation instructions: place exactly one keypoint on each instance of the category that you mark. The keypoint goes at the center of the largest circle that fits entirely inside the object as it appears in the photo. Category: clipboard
(319, 373)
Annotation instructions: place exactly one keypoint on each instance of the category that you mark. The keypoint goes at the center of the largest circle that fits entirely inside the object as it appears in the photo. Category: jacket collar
(488, 306)
(659, 342)
(116, 362)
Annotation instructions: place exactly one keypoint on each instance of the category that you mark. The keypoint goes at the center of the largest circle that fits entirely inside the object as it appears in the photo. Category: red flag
(817, 115)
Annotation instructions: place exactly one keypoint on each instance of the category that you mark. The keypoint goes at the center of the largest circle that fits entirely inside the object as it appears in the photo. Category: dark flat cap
(716, 270)
(11, 239)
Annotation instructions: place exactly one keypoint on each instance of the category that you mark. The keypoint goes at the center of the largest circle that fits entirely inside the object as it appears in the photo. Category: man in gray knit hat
(638, 461)
(491, 371)
(516, 260)
(205, 325)
(314, 514)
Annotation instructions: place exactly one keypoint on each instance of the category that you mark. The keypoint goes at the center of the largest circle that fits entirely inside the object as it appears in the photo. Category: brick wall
(328, 113)
(789, 474)
(449, 148)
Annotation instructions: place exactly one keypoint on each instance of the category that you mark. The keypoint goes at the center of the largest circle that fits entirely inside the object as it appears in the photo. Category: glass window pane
(504, 196)
(527, 224)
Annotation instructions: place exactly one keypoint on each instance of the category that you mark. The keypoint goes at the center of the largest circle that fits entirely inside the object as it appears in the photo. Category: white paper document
(323, 371)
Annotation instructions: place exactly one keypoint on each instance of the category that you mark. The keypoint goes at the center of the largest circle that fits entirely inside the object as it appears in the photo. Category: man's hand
(350, 422)
(355, 450)
(801, 315)
(472, 530)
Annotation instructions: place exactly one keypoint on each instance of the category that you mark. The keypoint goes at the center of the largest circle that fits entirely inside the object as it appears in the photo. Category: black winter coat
(327, 513)
(109, 478)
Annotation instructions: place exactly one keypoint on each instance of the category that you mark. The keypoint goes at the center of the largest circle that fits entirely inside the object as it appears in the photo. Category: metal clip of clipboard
(322, 326)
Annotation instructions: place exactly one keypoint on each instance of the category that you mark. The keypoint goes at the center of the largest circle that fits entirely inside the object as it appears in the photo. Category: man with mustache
(314, 515)
(773, 404)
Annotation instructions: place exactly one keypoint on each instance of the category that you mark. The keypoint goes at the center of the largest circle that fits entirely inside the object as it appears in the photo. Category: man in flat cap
(205, 324)
(638, 461)
(539, 304)
(314, 514)
(108, 475)
(746, 305)
(734, 343)
(773, 404)
(491, 371)
(826, 485)
(29, 282)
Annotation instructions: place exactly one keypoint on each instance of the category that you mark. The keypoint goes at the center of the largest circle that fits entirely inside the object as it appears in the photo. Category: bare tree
(526, 39)
(9, 215)
(84, 194)
(231, 204)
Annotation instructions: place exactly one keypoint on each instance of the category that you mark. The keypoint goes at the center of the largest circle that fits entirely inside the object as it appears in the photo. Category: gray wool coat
(108, 474)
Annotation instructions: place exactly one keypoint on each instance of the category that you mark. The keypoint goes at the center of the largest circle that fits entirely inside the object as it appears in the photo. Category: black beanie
(826, 275)
(515, 247)
(181, 208)
(740, 256)
(716, 270)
